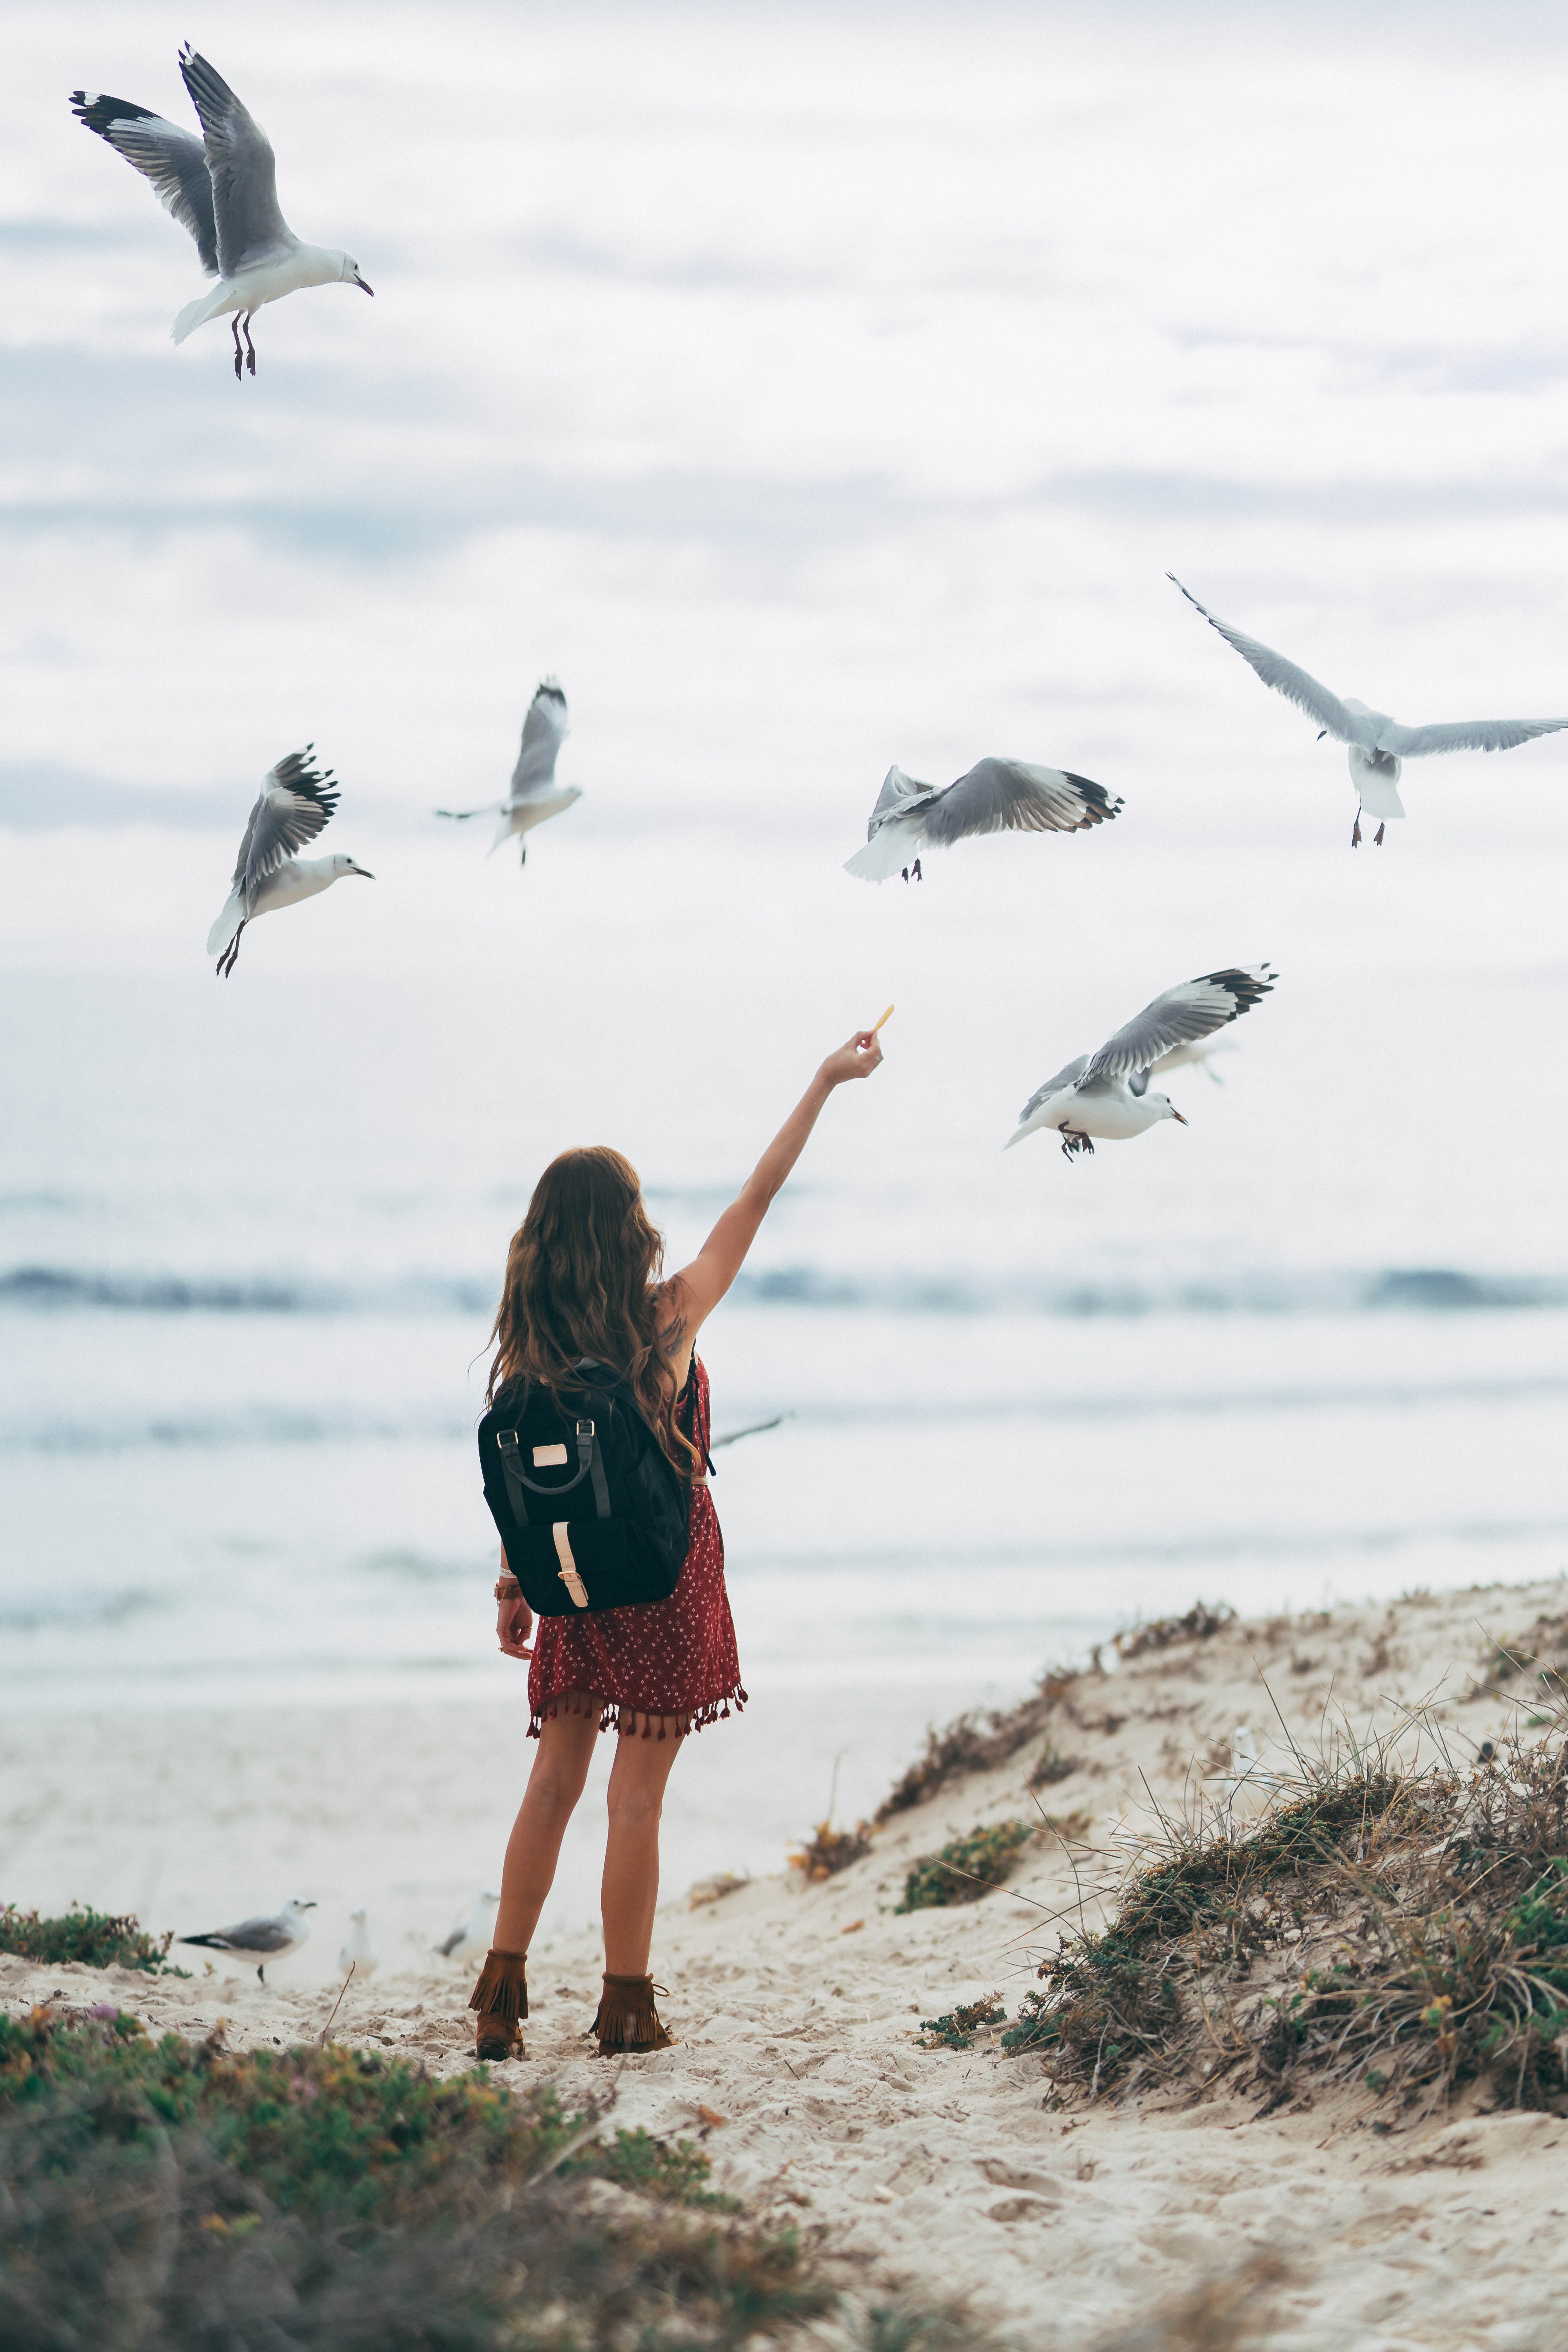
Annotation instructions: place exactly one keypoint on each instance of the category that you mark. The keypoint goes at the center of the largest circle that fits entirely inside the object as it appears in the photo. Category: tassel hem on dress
(626, 2018)
(639, 1722)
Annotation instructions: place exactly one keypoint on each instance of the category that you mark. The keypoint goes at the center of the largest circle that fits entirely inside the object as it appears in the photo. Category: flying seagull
(470, 1939)
(995, 796)
(358, 1953)
(534, 793)
(1379, 746)
(262, 1939)
(1106, 1094)
(223, 187)
(294, 805)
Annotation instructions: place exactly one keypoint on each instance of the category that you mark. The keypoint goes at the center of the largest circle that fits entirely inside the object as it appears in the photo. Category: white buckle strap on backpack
(569, 1576)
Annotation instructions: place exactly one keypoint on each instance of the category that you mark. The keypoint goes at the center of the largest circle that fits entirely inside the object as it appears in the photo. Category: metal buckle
(585, 1429)
(506, 1441)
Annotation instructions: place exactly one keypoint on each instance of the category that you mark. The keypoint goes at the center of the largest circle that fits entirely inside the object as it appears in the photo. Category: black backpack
(590, 1511)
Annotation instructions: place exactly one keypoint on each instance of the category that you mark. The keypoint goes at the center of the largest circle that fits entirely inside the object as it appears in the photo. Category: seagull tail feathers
(1017, 1136)
(227, 923)
(888, 852)
(196, 314)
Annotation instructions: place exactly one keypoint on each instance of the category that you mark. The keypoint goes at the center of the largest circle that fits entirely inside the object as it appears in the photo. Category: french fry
(886, 1017)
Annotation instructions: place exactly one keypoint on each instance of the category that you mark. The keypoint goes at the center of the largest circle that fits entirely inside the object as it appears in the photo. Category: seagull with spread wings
(294, 805)
(1106, 1094)
(223, 188)
(1379, 745)
(534, 793)
(995, 796)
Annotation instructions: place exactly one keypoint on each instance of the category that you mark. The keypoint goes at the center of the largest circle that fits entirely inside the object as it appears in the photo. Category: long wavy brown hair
(583, 1280)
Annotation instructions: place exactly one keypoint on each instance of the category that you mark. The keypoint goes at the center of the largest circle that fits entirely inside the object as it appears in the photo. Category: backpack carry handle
(589, 1465)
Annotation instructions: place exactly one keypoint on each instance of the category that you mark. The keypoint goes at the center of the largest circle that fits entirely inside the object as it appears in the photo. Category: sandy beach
(798, 2006)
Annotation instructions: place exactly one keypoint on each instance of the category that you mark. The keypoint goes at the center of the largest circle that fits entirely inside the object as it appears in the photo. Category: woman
(582, 1279)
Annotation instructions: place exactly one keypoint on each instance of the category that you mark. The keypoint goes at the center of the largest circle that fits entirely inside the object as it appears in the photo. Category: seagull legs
(230, 955)
(915, 870)
(1377, 838)
(1074, 1140)
(1355, 829)
(234, 330)
(249, 346)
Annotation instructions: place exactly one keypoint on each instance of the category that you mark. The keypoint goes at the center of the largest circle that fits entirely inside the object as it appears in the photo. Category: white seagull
(1106, 1094)
(358, 1953)
(262, 1939)
(470, 1939)
(294, 805)
(225, 192)
(1379, 745)
(995, 796)
(534, 793)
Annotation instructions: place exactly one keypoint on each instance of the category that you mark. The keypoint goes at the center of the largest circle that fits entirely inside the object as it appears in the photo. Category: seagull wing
(293, 806)
(1194, 1009)
(1062, 1084)
(1011, 796)
(1464, 735)
(243, 168)
(1298, 685)
(543, 733)
(251, 1936)
(173, 160)
(490, 808)
(899, 793)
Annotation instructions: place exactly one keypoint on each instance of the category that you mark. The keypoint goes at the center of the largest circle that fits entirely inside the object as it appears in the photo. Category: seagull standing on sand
(262, 1939)
(995, 796)
(223, 188)
(1106, 1094)
(296, 801)
(357, 1953)
(1379, 746)
(470, 1940)
(534, 793)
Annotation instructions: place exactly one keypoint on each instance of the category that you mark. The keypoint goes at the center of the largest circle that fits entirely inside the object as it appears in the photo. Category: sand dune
(798, 2008)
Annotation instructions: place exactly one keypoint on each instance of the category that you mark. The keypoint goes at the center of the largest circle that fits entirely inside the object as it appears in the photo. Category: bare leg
(555, 1785)
(234, 326)
(631, 1892)
(249, 346)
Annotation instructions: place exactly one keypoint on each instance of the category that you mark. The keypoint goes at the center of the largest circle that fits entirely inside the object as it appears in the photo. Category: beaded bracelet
(512, 1591)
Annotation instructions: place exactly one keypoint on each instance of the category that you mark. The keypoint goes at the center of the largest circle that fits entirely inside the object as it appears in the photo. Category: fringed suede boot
(500, 1997)
(627, 2019)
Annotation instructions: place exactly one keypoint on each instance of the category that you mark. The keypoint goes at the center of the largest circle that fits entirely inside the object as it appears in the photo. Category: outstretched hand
(857, 1059)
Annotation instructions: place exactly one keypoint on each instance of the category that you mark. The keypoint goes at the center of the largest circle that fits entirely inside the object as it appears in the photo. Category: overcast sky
(811, 389)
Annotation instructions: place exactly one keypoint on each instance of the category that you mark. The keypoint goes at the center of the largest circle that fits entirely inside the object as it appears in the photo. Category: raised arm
(692, 1294)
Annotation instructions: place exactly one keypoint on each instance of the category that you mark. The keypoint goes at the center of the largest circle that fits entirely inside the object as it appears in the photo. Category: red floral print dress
(674, 1658)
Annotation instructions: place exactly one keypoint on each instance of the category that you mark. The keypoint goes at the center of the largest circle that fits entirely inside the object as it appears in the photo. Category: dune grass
(1405, 1930)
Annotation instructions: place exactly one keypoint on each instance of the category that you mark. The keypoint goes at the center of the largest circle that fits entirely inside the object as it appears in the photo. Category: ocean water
(251, 1234)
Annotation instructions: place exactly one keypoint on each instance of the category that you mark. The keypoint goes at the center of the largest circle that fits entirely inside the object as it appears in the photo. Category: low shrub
(174, 2193)
(975, 1743)
(1408, 1930)
(1198, 1624)
(831, 1850)
(94, 1938)
(956, 2030)
(966, 1869)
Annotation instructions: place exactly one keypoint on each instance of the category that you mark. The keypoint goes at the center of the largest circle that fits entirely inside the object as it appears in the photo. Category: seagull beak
(1321, 732)
(1176, 1114)
(364, 873)
(363, 288)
